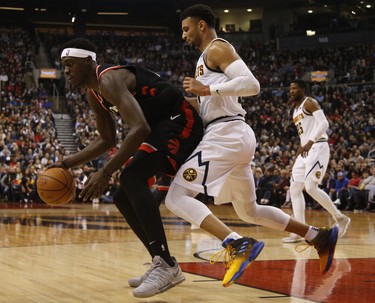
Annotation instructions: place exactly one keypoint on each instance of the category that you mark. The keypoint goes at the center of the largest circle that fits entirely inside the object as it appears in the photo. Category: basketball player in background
(164, 130)
(312, 158)
(220, 165)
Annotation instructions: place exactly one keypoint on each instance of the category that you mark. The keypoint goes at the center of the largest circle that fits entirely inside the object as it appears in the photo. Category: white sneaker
(343, 223)
(161, 278)
(136, 281)
(337, 202)
(293, 238)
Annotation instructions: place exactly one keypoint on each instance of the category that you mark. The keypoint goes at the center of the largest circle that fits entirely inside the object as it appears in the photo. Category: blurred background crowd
(30, 138)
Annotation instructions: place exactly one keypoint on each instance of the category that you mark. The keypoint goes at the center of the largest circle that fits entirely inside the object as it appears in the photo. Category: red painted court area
(348, 281)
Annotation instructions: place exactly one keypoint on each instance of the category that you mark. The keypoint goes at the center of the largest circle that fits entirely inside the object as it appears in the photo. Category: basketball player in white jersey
(312, 158)
(220, 165)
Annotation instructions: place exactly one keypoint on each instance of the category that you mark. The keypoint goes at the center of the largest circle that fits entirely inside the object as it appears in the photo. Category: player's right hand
(193, 86)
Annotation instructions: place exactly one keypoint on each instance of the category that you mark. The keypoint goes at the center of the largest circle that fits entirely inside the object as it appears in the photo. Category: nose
(183, 36)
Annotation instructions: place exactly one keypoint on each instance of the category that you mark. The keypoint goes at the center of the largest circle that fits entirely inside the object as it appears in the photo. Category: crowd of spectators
(29, 140)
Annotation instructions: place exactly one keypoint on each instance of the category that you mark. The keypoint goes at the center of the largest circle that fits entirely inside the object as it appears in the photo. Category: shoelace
(150, 268)
(228, 254)
(159, 276)
(303, 246)
(318, 241)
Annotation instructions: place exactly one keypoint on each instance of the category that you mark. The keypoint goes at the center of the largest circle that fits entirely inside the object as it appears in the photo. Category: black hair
(300, 83)
(80, 43)
(200, 11)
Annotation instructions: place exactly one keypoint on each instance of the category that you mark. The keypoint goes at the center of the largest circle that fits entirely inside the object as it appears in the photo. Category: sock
(311, 233)
(233, 235)
(160, 250)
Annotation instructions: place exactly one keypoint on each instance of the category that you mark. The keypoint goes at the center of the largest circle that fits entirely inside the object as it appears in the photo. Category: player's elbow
(250, 86)
(325, 124)
(255, 87)
(144, 131)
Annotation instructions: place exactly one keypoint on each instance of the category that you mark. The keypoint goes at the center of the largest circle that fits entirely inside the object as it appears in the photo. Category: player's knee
(171, 200)
(248, 218)
(296, 187)
(311, 186)
(249, 213)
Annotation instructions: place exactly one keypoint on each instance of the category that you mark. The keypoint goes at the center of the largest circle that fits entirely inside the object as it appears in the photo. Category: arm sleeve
(242, 83)
(320, 125)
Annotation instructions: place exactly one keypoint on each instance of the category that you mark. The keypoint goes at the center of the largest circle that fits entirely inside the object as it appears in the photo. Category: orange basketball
(56, 186)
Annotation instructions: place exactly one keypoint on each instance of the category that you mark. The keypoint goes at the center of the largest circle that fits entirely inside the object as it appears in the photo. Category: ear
(89, 60)
(202, 25)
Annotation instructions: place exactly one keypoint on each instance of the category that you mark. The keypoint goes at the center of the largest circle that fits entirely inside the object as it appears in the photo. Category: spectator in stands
(340, 191)
(257, 176)
(280, 188)
(110, 190)
(80, 179)
(4, 183)
(263, 192)
(364, 196)
(328, 183)
(353, 187)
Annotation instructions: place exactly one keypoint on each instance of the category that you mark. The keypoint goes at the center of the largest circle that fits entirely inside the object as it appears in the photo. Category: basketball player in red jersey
(164, 130)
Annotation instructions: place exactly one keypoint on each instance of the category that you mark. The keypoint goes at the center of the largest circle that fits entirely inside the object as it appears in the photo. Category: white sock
(311, 233)
(233, 235)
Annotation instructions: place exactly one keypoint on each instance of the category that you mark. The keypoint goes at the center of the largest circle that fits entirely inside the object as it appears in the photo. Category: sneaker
(136, 281)
(241, 253)
(343, 223)
(160, 278)
(293, 238)
(325, 244)
(337, 202)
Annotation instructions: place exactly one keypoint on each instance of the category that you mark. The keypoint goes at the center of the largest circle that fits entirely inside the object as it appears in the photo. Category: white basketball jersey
(304, 123)
(212, 107)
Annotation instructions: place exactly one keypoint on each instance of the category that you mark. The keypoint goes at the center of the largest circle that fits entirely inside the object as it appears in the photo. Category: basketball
(56, 186)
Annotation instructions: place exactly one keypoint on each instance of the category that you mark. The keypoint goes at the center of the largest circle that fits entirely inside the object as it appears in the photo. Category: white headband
(78, 52)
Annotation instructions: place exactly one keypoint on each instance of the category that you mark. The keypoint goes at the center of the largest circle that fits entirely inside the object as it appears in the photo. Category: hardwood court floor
(85, 253)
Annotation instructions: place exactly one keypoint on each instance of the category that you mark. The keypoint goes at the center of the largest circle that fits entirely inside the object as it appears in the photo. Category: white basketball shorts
(314, 165)
(220, 165)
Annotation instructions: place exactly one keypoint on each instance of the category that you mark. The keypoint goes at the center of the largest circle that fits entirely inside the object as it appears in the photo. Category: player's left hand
(304, 150)
(94, 186)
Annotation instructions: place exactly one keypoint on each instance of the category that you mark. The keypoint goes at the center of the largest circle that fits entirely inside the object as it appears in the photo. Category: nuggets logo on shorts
(318, 174)
(190, 174)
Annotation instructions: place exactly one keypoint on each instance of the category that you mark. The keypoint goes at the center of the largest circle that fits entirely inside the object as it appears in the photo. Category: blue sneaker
(325, 244)
(241, 253)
